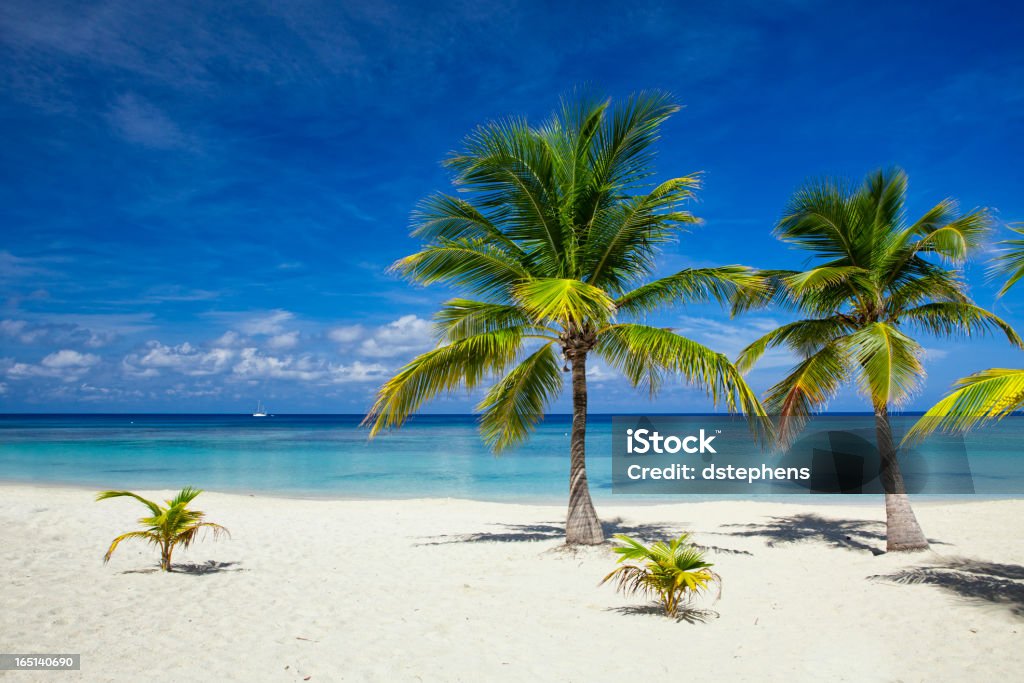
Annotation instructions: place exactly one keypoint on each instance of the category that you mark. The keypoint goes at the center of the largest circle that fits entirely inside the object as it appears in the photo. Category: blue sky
(198, 200)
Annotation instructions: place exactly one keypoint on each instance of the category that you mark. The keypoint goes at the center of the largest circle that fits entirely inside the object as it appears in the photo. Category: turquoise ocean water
(330, 456)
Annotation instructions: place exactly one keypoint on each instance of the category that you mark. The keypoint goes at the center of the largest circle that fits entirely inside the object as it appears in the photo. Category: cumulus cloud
(406, 336)
(286, 340)
(66, 365)
(67, 358)
(597, 373)
(183, 358)
(256, 365)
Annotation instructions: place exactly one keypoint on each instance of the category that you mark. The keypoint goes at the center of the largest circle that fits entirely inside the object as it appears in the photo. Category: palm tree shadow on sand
(519, 533)
(208, 567)
(973, 580)
(849, 534)
(690, 615)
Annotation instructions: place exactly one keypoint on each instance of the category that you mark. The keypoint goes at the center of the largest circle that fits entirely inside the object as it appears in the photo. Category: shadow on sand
(208, 567)
(849, 534)
(518, 533)
(972, 580)
(688, 615)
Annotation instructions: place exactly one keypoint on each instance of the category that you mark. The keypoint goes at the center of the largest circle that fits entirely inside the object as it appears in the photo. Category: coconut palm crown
(552, 235)
(876, 278)
(987, 395)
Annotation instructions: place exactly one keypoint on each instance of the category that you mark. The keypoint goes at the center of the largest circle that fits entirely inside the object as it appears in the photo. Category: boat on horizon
(260, 410)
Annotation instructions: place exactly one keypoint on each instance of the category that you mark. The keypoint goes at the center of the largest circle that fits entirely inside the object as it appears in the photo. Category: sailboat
(260, 410)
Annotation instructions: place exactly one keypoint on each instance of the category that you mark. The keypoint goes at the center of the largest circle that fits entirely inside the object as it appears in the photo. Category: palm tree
(875, 276)
(555, 229)
(168, 527)
(990, 394)
(670, 572)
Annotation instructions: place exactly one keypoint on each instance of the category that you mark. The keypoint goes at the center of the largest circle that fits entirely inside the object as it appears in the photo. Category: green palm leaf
(978, 399)
(1010, 263)
(693, 285)
(566, 302)
(888, 362)
(514, 405)
(463, 363)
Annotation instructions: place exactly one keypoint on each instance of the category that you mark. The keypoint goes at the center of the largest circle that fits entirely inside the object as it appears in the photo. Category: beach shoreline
(469, 590)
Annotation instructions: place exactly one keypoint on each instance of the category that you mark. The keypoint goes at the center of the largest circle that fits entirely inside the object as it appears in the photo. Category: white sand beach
(451, 590)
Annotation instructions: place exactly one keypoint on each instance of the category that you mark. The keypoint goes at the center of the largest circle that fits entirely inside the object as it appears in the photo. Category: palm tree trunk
(582, 526)
(902, 532)
(165, 558)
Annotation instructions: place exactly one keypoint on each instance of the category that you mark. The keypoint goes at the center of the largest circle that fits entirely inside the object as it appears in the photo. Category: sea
(331, 456)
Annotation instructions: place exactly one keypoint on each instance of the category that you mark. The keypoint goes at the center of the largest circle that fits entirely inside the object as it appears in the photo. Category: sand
(452, 590)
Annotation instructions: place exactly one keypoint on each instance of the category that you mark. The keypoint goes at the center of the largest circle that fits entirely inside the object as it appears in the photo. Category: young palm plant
(552, 236)
(876, 278)
(168, 527)
(990, 394)
(671, 573)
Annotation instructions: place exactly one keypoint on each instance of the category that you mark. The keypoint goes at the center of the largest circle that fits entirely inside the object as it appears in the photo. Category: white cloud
(408, 335)
(931, 354)
(271, 323)
(28, 332)
(183, 358)
(66, 365)
(357, 372)
(66, 358)
(255, 365)
(286, 340)
(229, 338)
(346, 334)
(597, 373)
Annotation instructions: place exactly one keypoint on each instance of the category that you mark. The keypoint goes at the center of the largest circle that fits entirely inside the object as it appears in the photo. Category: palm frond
(822, 277)
(646, 355)
(949, 318)
(622, 241)
(147, 536)
(565, 301)
(444, 218)
(805, 337)
(977, 399)
(462, 318)
(693, 285)
(809, 386)
(156, 509)
(514, 405)
(474, 264)
(185, 496)
(888, 362)
(1010, 263)
(463, 363)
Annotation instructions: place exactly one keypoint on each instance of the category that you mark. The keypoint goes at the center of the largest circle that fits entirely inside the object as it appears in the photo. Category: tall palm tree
(875, 278)
(990, 394)
(555, 230)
